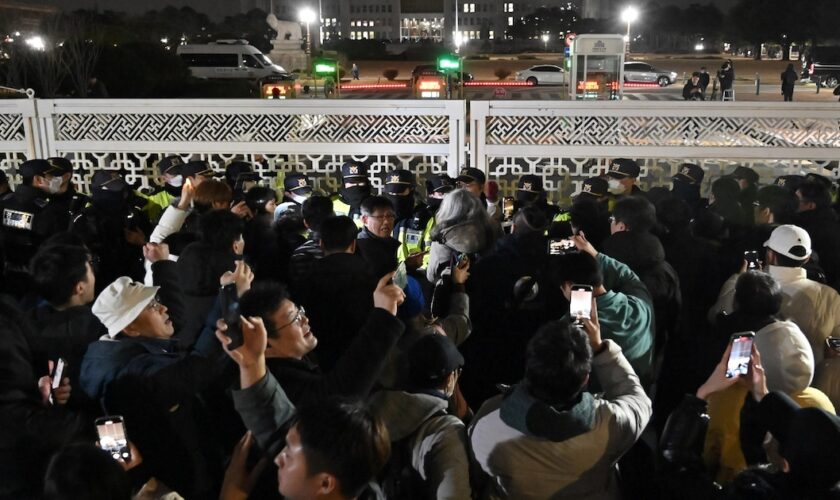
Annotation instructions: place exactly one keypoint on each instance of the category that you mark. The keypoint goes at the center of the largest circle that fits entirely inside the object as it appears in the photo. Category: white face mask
(176, 181)
(54, 185)
(616, 187)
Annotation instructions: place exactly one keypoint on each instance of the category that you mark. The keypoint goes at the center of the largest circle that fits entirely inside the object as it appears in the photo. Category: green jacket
(625, 313)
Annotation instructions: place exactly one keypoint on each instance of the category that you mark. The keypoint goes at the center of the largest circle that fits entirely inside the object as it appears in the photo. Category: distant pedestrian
(704, 79)
(726, 75)
(788, 81)
(693, 91)
(96, 89)
(355, 71)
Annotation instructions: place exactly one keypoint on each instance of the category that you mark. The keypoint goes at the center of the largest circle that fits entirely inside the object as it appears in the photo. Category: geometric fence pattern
(663, 131)
(11, 128)
(302, 128)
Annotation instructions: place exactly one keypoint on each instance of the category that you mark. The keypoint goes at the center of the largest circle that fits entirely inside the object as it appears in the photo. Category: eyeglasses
(383, 217)
(301, 312)
(154, 304)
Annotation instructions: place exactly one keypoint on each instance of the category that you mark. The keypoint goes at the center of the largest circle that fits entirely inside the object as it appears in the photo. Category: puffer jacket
(814, 307)
(468, 237)
(438, 442)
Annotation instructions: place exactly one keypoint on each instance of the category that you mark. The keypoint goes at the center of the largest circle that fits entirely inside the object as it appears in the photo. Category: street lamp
(307, 16)
(629, 15)
(545, 41)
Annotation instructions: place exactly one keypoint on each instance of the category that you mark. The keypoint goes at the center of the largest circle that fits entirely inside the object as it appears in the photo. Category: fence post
(757, 84)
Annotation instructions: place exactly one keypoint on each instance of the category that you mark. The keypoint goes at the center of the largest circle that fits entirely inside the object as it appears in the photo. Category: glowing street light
(629, 16)
(307, 16)
(36, 42)
(545, 41)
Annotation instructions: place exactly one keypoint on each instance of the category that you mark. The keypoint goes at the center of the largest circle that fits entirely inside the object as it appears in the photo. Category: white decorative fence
(280, 136)
(563, 141)
(566, 142)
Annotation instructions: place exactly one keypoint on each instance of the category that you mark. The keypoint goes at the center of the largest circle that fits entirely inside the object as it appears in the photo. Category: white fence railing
(565, 142)
(562, 141)
(279, 136)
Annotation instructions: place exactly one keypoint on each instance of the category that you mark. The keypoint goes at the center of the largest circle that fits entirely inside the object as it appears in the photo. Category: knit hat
(121, 302)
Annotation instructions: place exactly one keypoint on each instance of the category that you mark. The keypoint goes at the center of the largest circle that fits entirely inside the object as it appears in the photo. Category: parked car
(823, 65)
(642, 72)
(542, 74)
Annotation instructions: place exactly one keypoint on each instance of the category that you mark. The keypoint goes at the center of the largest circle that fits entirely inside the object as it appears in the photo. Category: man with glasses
(375, 243)
(291, 341)
(139, 371)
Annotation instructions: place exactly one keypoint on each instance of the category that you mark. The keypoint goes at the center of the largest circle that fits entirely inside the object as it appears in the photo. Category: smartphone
(561, 246)
(739, 358)
(56, 376)
(463, 260)
(581, 304)
(833, 343)
(112, 437)
(401, 276)
(753, 260)
(231, 313)
(507, 207)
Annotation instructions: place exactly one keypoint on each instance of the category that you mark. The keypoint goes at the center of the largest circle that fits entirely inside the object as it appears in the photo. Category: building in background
(412, 20)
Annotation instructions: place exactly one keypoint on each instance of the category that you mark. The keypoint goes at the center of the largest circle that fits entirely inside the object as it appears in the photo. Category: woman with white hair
(462, 227)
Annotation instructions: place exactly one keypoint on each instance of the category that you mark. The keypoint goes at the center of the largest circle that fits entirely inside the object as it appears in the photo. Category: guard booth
(597, 68)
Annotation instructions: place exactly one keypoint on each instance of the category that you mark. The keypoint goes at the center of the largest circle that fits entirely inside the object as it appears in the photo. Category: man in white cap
(138, 371)
(814, 307)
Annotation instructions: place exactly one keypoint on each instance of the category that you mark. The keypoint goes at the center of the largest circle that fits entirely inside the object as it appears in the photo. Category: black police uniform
(102, 226)
(28, 218)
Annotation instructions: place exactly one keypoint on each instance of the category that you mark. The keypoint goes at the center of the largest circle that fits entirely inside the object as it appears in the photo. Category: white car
(645, 73)
(543, 74)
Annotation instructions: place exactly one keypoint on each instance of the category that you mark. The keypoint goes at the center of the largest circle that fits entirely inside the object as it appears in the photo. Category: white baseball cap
(121, 302)
(791, 241)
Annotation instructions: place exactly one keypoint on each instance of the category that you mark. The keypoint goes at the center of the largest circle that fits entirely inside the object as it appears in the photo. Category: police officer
(622, 176)
(161, 197)
(113, 228)
(594, 188)
(67, 197)
(789, 182)
(686, 186)
(355, 188)
(28, 218)
(297, 188)
(241, 177)
(473, 180)
(197, 171)
(530, 192)
(401, 189)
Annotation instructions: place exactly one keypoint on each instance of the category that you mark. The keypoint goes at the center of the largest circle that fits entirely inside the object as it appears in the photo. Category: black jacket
(338, 297)
(354, 375)
(824, 229)
(154, 385)
(688, 93)
(303, 258)
(29, 430)
(65, 334)
(379, 253)
(199, 268)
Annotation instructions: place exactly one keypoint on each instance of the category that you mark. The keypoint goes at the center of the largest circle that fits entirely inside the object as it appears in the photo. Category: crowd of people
(230, 336)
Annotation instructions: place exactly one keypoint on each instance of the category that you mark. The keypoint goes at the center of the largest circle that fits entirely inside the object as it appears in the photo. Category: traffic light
(325, 67)
(449, 63)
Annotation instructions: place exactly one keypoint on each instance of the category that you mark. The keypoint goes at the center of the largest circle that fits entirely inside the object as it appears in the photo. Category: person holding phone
(624, 303)
(141, 372)
(548, 436)
(787, 361)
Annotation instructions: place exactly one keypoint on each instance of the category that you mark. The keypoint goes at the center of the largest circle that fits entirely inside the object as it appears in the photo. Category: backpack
(399, 480)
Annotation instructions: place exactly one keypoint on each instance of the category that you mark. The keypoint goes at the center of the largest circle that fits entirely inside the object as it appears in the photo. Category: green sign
(448, 63)
(324, 67)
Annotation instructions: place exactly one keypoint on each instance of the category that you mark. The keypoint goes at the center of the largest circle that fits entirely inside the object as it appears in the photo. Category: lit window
(371, 35)
(491, 34)
(472, 7)
(510, 21)
(353, 23)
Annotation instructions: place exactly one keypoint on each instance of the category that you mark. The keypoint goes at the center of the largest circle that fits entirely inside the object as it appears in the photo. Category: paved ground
(743, 92)
(745, 70)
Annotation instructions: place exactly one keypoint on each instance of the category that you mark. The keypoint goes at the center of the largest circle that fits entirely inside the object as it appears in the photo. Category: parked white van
(229, 59)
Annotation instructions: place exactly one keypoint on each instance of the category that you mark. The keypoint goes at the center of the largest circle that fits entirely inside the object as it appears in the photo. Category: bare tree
(80, 50)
